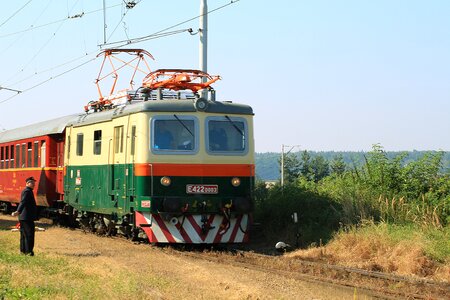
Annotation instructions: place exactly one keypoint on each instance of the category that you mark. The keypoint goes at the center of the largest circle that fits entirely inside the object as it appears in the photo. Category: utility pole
(282, 160)
(203, 47)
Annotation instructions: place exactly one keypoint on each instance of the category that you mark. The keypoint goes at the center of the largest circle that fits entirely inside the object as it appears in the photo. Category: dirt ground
(123, 268)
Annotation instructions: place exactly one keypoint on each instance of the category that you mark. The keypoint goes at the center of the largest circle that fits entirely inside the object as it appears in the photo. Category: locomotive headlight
(235, 182)
(201, 104)
(166, 181)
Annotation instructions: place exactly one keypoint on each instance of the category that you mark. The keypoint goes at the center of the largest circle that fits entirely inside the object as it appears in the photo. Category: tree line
(330, 193)
(268, 163)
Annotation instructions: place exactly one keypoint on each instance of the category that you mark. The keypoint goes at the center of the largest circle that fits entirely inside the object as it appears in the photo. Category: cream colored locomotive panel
(143, 153)
(109, 154)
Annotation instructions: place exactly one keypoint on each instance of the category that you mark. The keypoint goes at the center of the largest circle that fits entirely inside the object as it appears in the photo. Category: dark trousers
(27, 237)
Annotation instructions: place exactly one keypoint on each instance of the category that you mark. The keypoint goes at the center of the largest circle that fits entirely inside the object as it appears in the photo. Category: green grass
(52, 276)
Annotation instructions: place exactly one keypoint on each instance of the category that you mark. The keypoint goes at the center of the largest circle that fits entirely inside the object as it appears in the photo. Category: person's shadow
(7, 223)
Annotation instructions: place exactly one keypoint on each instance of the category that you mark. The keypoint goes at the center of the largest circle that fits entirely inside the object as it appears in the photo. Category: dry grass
(380, 248)
(73, 265)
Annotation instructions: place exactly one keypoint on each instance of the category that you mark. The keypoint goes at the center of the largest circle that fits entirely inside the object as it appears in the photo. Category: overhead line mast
(104, 22)
(203, 47)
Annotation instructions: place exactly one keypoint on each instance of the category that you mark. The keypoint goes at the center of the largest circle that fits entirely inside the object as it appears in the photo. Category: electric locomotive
(176, 173)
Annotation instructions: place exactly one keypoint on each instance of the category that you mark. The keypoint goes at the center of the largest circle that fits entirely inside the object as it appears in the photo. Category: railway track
(375, 284)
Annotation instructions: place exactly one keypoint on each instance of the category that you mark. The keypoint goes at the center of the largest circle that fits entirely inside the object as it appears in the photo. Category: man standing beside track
(27, 211)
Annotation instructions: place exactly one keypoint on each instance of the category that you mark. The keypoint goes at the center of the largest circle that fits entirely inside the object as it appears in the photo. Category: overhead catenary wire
(15, 13)
(54, 67)
(149, 37)
(77, 16)
(36, 54)
(67, 62)
(49, 79)
(146, 38)
(19, 38)
(9, 89)
(158, 34)
(115, 28)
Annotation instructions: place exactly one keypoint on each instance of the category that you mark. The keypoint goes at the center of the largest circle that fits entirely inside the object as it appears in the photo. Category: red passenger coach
(36, 150)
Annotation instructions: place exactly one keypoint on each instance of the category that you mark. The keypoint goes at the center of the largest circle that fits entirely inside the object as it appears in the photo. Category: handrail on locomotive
(162, 79)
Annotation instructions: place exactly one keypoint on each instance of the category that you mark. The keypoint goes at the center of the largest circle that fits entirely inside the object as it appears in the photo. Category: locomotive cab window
(226, 135)
(174, 134)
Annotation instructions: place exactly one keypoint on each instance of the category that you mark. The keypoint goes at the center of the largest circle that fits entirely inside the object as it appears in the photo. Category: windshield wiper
(235, 126)
(184, 125)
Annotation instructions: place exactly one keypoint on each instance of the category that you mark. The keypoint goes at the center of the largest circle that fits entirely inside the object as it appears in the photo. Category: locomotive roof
(39, 129)
(58, 125)
(160, 106)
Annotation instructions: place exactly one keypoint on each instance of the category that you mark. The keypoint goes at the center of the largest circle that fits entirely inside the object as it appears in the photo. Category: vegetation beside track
(378, 213)
(69, 275)
(71, 264)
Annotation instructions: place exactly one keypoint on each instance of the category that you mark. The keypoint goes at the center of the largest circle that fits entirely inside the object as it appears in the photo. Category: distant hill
(268, 166)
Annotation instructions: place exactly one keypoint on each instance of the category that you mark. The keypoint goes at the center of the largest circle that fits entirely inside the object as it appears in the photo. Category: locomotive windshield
(176, 134)
(226, 135)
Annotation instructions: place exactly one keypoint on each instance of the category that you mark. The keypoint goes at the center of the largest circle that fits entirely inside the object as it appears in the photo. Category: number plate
(202, 189)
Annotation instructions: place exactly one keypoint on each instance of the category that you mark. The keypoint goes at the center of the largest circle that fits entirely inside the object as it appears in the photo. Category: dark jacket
(27, 208)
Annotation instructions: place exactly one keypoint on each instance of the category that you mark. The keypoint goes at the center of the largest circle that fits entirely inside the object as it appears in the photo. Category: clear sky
(326, 75)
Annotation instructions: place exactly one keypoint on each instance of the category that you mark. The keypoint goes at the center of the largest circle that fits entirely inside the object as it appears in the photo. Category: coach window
(43, 154)
(11, 164)
(24, 155)
(36, 154)
(80, 144)
(174, 135)
(118, 139)
(226, 135)
(29, 155)
(97, 142)
(2, 159)
(17, 156)
(6, 157)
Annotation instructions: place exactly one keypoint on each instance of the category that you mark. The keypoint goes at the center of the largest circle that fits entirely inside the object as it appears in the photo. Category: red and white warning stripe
(188, 229)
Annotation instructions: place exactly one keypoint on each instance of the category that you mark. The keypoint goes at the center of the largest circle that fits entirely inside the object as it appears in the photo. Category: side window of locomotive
(118, 139)
(226, 135)
(97, 142)
(177, 134)
(133, 140)
(80, 139)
